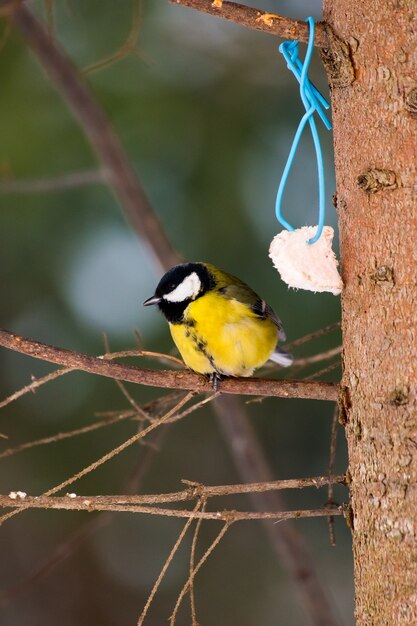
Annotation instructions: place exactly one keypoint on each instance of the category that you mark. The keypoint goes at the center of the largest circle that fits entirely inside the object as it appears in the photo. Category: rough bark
(375, 135)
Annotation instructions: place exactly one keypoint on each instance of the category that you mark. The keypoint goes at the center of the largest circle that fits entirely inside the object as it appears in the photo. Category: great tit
(219, 325)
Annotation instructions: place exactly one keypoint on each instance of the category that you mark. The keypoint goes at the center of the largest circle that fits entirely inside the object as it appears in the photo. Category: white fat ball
(306, 266)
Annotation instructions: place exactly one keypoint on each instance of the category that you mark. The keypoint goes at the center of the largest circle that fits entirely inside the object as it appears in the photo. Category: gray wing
(265, 311)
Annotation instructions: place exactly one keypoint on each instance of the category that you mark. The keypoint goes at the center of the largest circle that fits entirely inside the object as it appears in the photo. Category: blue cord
(313, 102)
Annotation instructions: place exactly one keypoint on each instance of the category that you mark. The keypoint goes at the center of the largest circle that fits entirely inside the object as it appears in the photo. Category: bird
(220, 326)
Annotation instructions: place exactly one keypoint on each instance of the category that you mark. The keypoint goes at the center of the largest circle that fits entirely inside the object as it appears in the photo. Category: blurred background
(206, 111)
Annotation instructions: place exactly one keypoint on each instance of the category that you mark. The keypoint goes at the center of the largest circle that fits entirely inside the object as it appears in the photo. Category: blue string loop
(313, 102)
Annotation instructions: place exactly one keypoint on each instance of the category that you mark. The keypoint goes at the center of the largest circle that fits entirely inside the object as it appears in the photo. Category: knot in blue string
(313, 102)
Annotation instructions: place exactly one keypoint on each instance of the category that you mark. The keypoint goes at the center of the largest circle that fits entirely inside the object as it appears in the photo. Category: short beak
(152, 300)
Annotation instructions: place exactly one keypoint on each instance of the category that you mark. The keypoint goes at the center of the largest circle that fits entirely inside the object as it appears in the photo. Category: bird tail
(281, 357)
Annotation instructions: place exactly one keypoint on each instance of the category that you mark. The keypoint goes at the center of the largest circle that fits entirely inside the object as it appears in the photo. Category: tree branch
(285, 539)
(258, 20)
(65, 181)
(66, 548)
(96, 503)
(99, 133)
(197, 490)
(317, 390)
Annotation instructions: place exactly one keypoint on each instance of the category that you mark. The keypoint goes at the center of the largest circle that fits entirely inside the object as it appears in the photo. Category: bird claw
(214, 379)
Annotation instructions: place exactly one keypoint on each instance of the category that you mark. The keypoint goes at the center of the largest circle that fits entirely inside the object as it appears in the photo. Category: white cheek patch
(187, 290)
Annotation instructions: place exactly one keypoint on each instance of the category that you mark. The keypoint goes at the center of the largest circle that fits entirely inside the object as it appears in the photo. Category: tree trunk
(375, 135)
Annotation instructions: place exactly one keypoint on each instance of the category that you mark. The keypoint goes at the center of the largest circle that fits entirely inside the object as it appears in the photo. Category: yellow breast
(224, 336)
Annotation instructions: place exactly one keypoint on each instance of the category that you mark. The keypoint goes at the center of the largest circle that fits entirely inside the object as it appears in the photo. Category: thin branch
(286, 540)
(257, 19)
(164, 358)
(67, 80)
(116, 416)
(201, 562)
(138, 409)
(34, 385)
(38, 382)
(192, 565)
(167, 378)
(302, 362)
(210, 491)
(65, 435)
(192, 408)
(203, 492)
(318, 358)
(95, 503)
(67, 547)
(127, 47)
(166, 565)
(121, 447)
(314, 335)
(108, 456)
(66, 181)
(325, 370)
(181, 414)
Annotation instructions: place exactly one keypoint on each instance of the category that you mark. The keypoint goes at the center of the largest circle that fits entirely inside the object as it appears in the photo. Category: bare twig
(318, 358)
(285, 539)
(192, 565)
(121, 447)
(162, 357)
(67, 547)
(302, 362)
(128, 46)
(103, 503)
(116, 416)
(64, 550)
(66, 435)
(194, 407)
(38, 382)
(325, 370)
(138, 409)
(108, 456)
(166, 565)
(311, 336)
(257, 19)
(65, 78)
(167, 378)
(201, 562)
(66, 181)
(209, 491)
(34, 385)
(203, 492)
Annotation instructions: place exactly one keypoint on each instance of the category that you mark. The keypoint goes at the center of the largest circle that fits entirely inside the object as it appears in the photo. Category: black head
(178, 287)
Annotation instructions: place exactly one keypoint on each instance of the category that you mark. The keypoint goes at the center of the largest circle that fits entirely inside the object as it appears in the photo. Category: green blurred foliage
(206, 112)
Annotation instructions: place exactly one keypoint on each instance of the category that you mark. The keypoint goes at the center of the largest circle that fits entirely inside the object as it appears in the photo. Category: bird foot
(214, 379)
